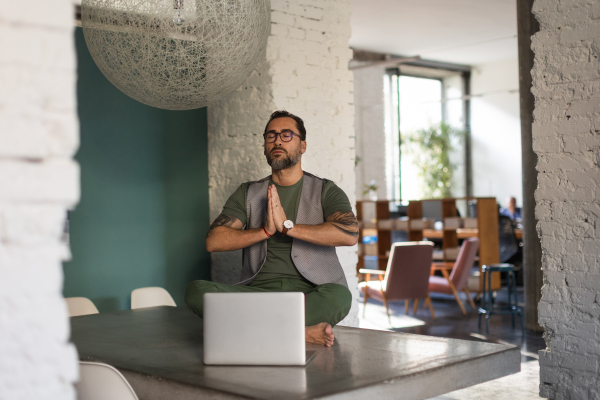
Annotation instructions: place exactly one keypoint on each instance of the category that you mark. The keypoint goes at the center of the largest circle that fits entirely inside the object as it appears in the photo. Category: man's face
(512, 202)
(282, 155)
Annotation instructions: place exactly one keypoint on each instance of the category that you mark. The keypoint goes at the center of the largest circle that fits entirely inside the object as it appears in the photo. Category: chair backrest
(151, 297)
(408, 270)
(464, 263)
(98, 381)
(509, 246)
(80, 306)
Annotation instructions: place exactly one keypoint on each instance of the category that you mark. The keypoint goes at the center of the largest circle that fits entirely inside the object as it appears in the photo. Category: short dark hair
(284, 113)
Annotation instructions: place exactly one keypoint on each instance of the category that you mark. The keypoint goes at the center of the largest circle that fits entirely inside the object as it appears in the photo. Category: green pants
(324, 303)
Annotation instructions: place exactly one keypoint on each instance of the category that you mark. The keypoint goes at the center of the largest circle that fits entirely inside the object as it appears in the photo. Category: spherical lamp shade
(176, 54)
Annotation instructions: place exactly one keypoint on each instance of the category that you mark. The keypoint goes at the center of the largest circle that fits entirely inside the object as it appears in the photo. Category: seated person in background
(288, 225)
(511, 210)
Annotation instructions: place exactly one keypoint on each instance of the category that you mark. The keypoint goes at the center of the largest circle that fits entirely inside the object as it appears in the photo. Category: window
(417, 98)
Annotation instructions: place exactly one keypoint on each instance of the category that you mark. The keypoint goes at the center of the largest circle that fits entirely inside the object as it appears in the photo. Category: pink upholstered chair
(406, 276)
(457, 280)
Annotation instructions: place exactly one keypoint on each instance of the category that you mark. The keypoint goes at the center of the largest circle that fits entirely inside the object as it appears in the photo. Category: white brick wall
(566, 85)
(38, 182)
(305, 71)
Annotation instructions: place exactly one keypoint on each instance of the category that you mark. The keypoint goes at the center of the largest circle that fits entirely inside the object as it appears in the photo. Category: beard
(286, 160)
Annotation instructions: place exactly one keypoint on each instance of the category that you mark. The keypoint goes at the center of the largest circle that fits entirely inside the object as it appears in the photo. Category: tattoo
(345, 222)
(222, 220)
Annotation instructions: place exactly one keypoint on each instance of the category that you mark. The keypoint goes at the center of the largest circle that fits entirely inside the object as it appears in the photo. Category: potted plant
(432, 158)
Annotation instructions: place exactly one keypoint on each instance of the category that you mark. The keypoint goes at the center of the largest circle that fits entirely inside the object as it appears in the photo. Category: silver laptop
(254, 329)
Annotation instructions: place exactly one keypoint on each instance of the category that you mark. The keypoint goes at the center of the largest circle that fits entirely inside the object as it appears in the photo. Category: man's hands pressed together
(270, 225)
(340, 229)
(275, 210)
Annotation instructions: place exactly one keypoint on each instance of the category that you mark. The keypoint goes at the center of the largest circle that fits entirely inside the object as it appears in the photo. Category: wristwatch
(287, 225)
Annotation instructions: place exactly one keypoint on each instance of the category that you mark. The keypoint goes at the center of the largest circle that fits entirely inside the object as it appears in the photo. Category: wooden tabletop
(460, 233)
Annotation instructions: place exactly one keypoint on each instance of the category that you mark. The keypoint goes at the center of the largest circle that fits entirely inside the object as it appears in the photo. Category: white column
(566, 128)
(39, 181)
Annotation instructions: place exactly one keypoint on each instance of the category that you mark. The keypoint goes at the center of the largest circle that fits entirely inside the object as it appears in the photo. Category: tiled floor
(451, 323)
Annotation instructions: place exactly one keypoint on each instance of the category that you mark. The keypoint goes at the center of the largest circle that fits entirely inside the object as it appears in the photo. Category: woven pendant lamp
(176, 54)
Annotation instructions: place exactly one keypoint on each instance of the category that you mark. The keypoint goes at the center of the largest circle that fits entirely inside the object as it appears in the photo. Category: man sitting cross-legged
(288, 225)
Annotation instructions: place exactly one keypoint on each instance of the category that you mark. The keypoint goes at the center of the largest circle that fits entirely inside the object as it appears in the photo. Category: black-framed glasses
(286, 135)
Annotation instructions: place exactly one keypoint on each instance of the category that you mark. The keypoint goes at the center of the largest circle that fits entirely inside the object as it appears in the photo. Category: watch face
(288, 224)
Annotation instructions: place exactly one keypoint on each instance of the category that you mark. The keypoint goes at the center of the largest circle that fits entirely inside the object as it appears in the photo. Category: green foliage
(432, 157)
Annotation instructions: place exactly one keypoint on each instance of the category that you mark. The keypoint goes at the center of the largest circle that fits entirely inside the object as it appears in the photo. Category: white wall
(39, 181)
(369, 117)
(305, 71)
(496, 131)
(453, 88)
(566, 86)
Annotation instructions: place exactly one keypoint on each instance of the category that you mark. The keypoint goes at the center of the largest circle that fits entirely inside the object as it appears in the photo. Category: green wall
(143, 213)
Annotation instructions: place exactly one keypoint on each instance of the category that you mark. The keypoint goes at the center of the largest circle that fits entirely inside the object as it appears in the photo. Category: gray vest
(318, 264)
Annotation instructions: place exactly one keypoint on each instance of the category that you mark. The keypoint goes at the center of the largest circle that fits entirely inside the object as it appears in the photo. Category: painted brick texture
(39, 181)
(305, 71)
(566, 138)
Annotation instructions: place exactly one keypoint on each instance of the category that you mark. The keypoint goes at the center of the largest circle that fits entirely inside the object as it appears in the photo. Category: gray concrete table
(159, 350)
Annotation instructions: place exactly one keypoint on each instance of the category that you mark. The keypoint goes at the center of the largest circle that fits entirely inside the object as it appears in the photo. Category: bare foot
(319, 334)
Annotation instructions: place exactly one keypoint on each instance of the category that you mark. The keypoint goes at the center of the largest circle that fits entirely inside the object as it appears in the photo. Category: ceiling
(466, 32)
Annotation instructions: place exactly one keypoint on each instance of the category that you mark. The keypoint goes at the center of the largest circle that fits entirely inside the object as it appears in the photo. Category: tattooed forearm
(222, 220)
(345, 221)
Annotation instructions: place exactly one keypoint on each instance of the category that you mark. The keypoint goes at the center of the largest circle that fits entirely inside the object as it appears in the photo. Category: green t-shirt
(279, 262)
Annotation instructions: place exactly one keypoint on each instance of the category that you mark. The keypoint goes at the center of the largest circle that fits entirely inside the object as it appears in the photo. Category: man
(511, 210)
(288, 225)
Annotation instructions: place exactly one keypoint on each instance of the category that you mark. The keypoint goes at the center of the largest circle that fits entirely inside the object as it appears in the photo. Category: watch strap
(285, 230)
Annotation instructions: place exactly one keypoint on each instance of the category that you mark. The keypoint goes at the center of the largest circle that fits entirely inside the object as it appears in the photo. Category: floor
(523, 385)
(451, 323)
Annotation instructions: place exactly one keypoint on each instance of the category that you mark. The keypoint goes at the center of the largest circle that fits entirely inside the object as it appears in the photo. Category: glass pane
(420, 107)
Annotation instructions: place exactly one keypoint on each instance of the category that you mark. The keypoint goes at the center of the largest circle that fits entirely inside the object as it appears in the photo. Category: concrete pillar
(305, 70)
(527, 26)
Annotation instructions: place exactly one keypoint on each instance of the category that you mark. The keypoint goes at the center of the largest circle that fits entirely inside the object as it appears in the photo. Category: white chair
(98, 381)
(80, 306)
(151, 297)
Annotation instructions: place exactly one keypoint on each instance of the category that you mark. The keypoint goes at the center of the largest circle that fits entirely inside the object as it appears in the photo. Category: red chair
(457, 280)
(406, 276)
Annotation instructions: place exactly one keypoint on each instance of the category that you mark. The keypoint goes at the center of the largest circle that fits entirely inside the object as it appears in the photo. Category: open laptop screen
(254, 328)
